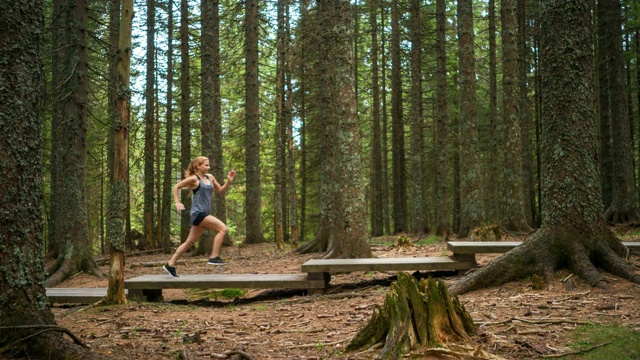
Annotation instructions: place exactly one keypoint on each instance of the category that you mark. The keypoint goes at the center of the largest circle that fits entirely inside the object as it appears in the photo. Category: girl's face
(204, 167)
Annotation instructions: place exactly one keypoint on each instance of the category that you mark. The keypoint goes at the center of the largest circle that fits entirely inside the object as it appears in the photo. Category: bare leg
(212, 223)
(194, 234)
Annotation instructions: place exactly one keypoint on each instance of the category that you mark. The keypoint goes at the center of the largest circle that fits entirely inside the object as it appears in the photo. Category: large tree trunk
(252, 122)
(573, 233)
(397, 128)
(491, 202)
(512, 214)
(167, 202)
(117, 218)
(624, 204)
(185, 113)
(376, 198)
(606, 150)
(472, 212)
(442, 224)
(27, 325)
(418, 212)
(525, 114)
(149, 240)
(343, 231)
(279, 136)
(70, 244)
(414, 314)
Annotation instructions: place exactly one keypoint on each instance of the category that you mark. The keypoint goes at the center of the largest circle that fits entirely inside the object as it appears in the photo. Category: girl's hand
(231, 175)
(179, 206)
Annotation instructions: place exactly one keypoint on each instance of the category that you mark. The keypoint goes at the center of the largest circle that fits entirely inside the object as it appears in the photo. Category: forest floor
(513, 321)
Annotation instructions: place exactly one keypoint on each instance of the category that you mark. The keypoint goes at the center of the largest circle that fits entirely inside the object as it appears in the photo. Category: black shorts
(196, 218)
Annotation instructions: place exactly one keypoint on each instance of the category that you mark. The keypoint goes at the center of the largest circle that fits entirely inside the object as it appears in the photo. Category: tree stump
(414, 314)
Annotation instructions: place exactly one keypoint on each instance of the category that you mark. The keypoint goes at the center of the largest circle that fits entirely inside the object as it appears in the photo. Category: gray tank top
(201, 202)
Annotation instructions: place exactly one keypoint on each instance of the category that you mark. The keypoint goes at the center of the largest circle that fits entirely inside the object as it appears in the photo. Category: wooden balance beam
(150, 287)
(467, 250)
(321, 269)
(76, 295)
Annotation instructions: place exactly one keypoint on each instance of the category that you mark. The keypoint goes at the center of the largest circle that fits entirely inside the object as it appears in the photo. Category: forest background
(241, 85)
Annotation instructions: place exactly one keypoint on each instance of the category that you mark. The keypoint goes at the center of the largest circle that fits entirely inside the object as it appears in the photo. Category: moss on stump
(414, 314)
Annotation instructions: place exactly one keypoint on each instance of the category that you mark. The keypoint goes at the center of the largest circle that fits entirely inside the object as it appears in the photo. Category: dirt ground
(513, 321)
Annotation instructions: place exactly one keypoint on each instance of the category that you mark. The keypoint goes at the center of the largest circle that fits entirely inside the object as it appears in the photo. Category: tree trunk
(419, 213)
(116, 223)
(414, 314)
(70, 238)
(288, 115)
(512, 201)
(441, 185)
(167, 182)
(525, 113)
(573, 233)
(343, 231)
(252, 123)
(280, 144)
(624, 207)
(376, 198)
(472, 212)
(149, 130)
(397, 128)
(606, 149)
(491, 202)
(27, 325)
(185, 113)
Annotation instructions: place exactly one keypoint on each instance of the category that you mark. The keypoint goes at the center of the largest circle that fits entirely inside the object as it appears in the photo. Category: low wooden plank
(384, 264)
(75, 295)
(252, 281)
(489, 247)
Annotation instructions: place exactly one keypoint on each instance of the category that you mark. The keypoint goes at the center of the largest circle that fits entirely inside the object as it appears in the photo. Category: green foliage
(429, 240)
(625, 343)
(230, 293)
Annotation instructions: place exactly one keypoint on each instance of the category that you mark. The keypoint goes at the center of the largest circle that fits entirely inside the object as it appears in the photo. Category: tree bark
(185, 112)
(27, 325)
(573, 233)
(624, 207)
(606, 148)
(70, 244)
(167, 182)
(491, 202)
(397, 128)
(376, 198)
(252, 122)
(512, 216)
(418, 212)
(116, 223)
(472, 212)
(414, 314)
(441, 183)
(343, 231)
(149, 131)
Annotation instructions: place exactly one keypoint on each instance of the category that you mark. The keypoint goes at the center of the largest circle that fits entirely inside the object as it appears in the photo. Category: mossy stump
(414, 314)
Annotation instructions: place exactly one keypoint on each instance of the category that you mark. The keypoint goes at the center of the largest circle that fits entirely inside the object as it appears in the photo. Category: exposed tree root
(68, 267)
(550, 249)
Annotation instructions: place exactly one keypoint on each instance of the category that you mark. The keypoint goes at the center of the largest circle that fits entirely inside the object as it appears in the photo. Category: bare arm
(189, 182)
(221, 189)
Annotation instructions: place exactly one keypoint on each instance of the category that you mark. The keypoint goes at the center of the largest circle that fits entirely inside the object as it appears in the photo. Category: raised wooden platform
(467, 250)
(321, 269)
(383, 264)
(489, 247)
(150, 286)
(76, 295)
